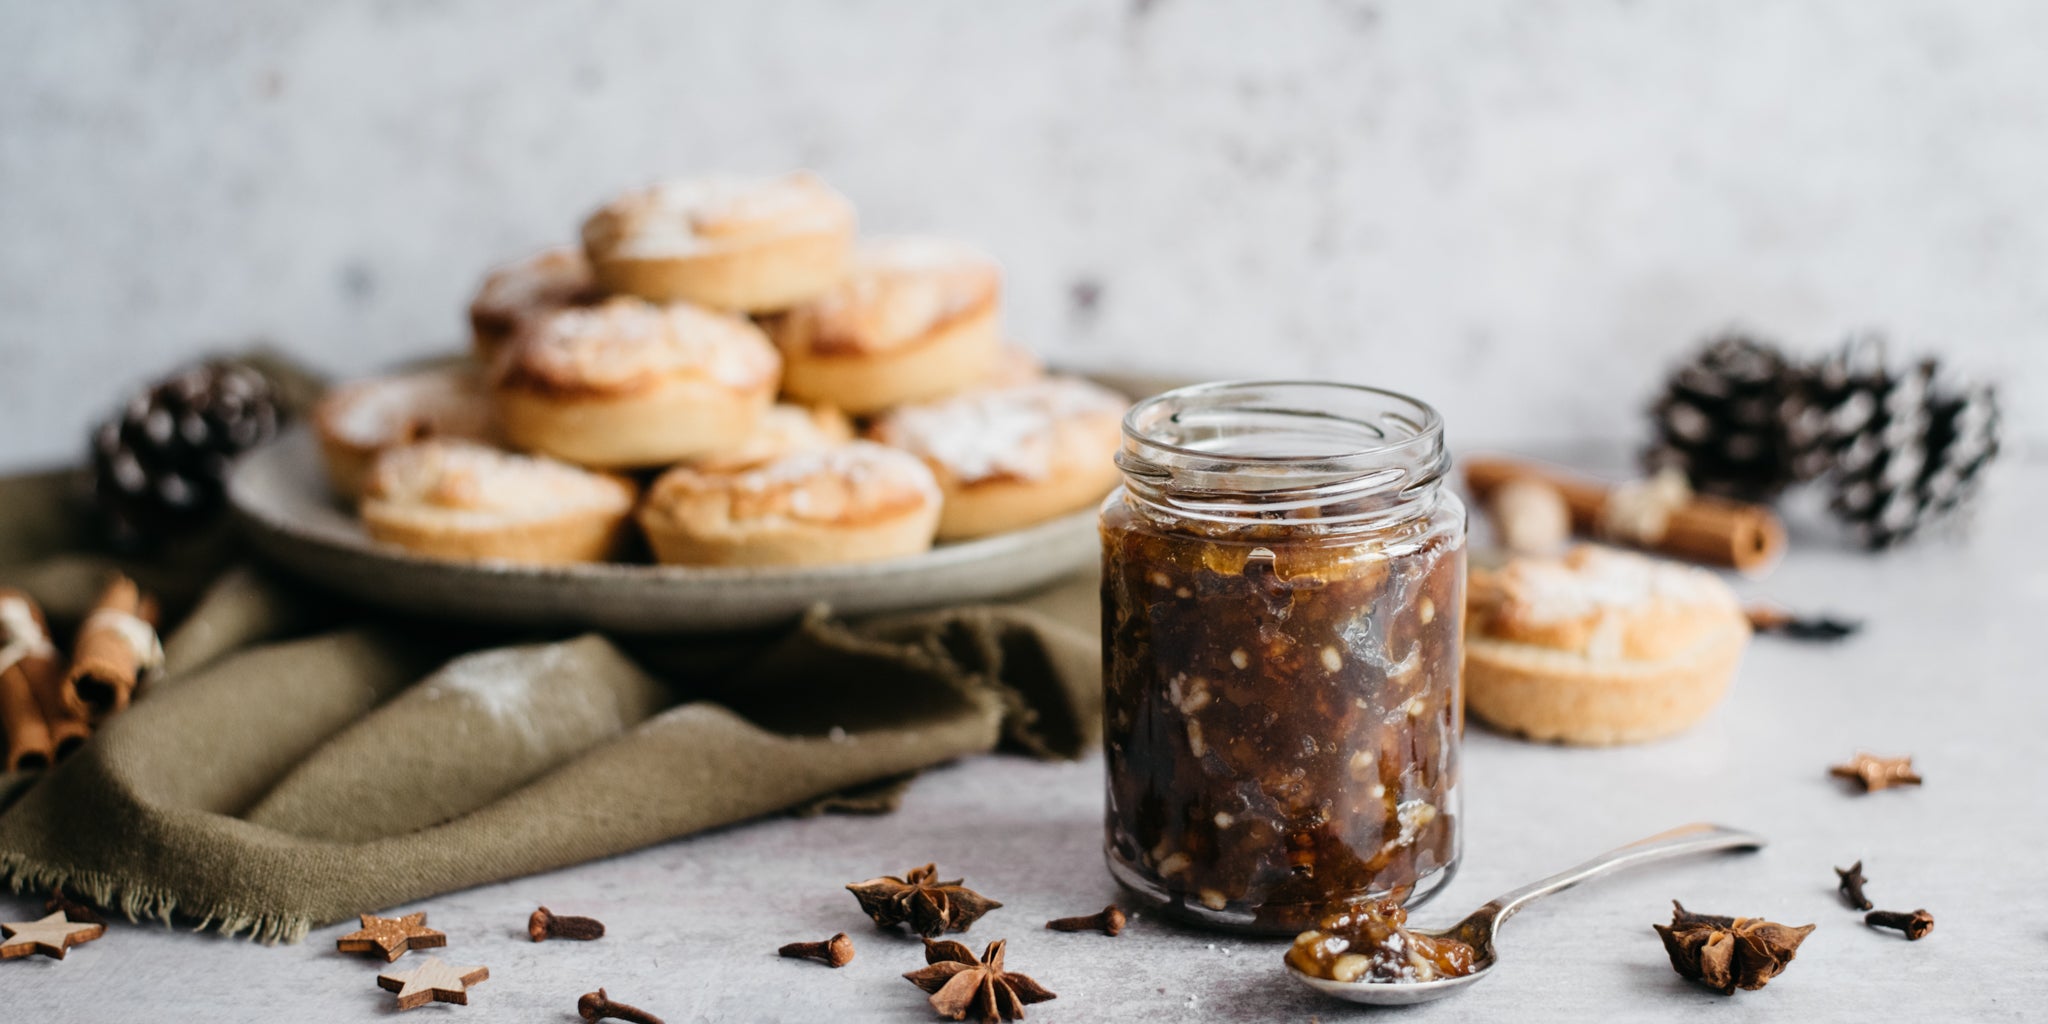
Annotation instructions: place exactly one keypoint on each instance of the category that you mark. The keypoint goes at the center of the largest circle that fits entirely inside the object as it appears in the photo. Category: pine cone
(1832, 402)
(159, 468)
(1962, 439)
(1722, 420)
(1909, 449)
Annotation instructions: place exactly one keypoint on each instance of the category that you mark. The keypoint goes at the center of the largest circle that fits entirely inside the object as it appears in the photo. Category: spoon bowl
(1389, 993)
(1481, 929)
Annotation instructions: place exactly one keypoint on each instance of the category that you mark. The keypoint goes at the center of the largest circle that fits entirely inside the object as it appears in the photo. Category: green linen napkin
(303, 761)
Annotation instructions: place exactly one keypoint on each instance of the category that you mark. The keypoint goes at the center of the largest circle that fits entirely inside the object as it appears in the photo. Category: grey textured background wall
(1520, 210)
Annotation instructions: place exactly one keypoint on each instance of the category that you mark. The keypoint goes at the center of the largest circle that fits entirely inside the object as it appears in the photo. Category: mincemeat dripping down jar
(1283, 578)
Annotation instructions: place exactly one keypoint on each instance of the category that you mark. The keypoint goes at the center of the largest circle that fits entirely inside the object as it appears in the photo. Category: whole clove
(1109, 921)
(1916, 925)
(596, 1006)
(544, 925)
(1779, 622)
(1852, 881)
(836, 951)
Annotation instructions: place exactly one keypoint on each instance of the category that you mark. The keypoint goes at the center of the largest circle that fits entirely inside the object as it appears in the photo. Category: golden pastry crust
(856, 502)
(913, 319)
(1014, 364)
(1010, 457)
(629, 383)
(461, 500)
(785, 429)
(546, 281)
(1599, 646)
(360, 419)
(751, 244)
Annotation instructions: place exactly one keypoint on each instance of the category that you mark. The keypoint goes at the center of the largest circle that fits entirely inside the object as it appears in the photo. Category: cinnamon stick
(24, 646)
(1701, 528)
(45, 671)
(116, 647)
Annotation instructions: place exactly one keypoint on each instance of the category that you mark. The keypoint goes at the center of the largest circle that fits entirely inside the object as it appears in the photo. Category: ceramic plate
(280, 494)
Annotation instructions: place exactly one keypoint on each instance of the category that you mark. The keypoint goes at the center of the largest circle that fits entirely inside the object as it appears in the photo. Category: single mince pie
(461, 500)
(746, 244)
(361, 419)
(913, 319)
(1600, 646)
(853, 502)
(1010, 457)
(628, 383)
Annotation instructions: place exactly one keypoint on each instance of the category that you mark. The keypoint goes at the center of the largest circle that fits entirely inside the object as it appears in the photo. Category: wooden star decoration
(1877, 773)
(433, 979)
(390, 937)
(50, 936)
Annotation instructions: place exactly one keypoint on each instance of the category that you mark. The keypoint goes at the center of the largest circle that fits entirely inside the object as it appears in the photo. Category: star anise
(930, 906)
(961, 985)
(1728, 953)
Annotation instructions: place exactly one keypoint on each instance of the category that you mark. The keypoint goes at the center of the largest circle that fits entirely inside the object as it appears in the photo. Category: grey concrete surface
(1945, 671)
(1519, 210)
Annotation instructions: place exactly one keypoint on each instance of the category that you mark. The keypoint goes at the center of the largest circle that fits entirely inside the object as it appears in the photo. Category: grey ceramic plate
(281, 496)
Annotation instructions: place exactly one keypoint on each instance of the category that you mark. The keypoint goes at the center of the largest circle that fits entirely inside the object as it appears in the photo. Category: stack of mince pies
(724, 374)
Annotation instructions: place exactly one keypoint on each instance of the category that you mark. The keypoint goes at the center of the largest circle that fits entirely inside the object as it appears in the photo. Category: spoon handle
(1683, 841)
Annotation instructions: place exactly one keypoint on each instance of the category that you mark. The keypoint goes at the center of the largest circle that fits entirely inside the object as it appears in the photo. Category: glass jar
(1283, 580)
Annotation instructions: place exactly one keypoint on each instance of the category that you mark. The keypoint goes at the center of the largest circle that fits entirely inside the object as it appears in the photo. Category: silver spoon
(1479, 930)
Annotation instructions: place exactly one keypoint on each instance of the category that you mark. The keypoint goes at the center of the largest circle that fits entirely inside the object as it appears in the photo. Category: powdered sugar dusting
(681, 217)
(390, 410)
(1594, 579)
(895, 292)
(499, 683)
(784, 429)
(846, 480)
(856, 462)
(1001, 432)
(551, 277)
(464, 476)
(835, 482)
(624, 339)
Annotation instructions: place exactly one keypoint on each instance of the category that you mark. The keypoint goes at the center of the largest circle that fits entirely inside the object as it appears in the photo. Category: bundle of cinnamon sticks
(1696, 527)
(46, 710)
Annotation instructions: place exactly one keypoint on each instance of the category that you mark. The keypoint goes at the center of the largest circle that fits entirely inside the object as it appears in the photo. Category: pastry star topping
(432, 979)
(962, 985)
(50, 936)
(1877, 773)
(930, 906)
(390, 937)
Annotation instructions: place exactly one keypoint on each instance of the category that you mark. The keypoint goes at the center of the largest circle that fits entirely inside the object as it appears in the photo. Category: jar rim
(1427, 427)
